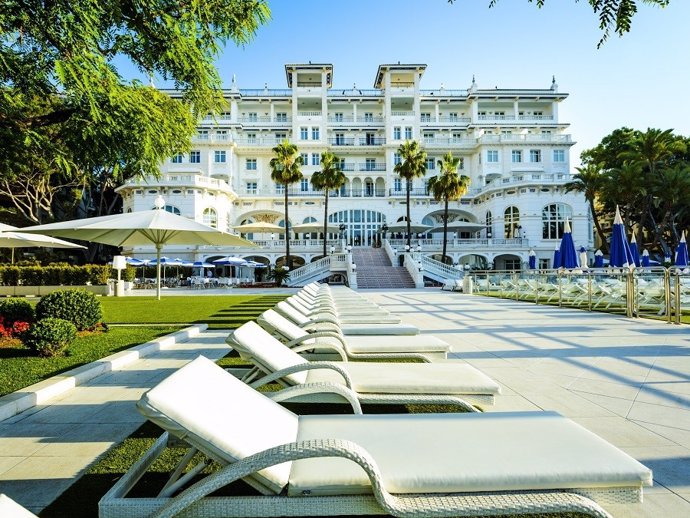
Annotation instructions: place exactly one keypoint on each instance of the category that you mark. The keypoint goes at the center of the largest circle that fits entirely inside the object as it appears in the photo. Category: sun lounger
(329, 321)
(359, 316)
(11, 509)
(328, 345)
(453, 383)
(402, 465)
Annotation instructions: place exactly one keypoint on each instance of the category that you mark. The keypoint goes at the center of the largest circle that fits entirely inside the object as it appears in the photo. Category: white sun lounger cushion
(252, 423)
(11, 509)
(410, 378)
(448, 453)
(378, 329)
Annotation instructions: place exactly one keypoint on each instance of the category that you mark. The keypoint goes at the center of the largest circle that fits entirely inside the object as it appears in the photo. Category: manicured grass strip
(229, 311)
(19, 368)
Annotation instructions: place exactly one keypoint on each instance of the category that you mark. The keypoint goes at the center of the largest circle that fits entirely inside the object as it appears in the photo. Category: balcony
(265, 120)
(364, 192)
(265, 92)
(404, 114)
(450, 142)
(552, 138)
(350, 120)
(514, 119)
(258, 141)
(369, 166)
(446, 120)
(206, 138)
(356, 92)
(402, 193)
(181, 179)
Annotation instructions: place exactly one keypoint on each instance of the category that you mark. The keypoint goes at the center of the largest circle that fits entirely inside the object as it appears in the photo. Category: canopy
(315, 227)
(147, 227)
(259, 226)
(13, 237)
(621, 257)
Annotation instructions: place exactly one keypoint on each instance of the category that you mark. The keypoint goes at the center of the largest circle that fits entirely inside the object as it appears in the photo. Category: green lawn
(19, 368)
(229, 311)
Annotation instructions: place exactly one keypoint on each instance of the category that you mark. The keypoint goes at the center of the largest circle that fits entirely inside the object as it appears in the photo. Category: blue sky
(640, 80)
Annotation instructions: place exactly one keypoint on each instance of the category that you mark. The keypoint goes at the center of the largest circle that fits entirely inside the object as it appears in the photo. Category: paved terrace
(626, 380)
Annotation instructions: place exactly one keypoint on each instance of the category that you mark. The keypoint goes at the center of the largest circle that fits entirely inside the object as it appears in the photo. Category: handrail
(441, 269)
(309, 269)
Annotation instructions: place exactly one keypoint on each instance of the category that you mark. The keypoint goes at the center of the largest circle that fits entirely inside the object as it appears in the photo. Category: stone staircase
(374, 270)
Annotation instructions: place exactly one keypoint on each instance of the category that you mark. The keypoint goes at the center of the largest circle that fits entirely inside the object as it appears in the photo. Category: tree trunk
(445, 230)
(325, 222)
(409, 244)
(288, 259)
(597, 225)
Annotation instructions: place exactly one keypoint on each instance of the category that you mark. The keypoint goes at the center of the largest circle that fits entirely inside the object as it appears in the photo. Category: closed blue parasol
(682, 252)
(634, 251)
(557, 258)
(645, 258)
(568, 259)
(621, 257)
(532, 260)
(598, 259)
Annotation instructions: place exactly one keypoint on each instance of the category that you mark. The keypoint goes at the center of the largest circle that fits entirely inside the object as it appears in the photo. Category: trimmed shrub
(50, 337)
(80, 307)
(16, 309)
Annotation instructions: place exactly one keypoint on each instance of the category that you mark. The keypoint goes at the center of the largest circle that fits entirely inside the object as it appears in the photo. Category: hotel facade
(511, 143)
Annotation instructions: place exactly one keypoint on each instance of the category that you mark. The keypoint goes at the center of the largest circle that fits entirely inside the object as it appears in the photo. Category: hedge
(56, 275)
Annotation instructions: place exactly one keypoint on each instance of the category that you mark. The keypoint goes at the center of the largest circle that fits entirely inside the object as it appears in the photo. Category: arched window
(171, 208)
(210, 217)
(489, 224)
(553, 219)
(511, 222)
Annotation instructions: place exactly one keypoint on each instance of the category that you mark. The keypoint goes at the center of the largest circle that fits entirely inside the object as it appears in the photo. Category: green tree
(447, 186)
(589, 181)
(286, 170)
(330, 177)
(614, 15)
(411, 166)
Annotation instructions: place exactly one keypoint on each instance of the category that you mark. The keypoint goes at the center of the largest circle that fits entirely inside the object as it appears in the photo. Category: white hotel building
(513, 147)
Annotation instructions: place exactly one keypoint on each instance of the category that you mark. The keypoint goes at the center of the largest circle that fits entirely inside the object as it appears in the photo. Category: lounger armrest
(317, 388)
(323, 319)
(273, 376)
(318, 334)
(310, 347)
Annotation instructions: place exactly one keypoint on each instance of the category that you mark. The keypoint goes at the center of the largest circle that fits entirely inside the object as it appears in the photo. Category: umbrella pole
(12, 255)
(158, 272)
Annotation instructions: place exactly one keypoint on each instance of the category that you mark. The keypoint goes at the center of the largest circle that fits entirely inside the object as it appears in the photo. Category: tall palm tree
(285, 170)
(447, 186)
(329, 178)
(412, 165)
(590, 181)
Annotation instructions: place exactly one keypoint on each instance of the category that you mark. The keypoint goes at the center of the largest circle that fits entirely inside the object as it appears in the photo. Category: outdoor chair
(453, 382)
(331, 344)
(364, 315)
(327, 320)
(397, 464)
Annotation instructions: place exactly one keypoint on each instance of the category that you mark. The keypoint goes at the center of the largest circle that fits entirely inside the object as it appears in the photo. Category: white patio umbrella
(314, 226)
(259, 226)
(460, 226)
(230, 261)
(415, 228)
(147, 227)
(13, 237)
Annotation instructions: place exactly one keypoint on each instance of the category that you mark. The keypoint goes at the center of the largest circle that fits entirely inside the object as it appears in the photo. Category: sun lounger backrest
(221, 416)
(282, 325)
(294, 315)
(269, 353)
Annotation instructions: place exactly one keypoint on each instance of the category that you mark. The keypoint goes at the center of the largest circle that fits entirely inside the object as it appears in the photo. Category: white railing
(529, 137)
(414, 268)
(187, 179)
(437, 267)
(309, 114)
(402, 114)
(298, 275)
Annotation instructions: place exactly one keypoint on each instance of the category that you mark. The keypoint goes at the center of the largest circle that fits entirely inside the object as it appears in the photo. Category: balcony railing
(402, 113)
(351, 119)
(529, 137)
(264, 120)
(265, 92)
(309, 114)
(259, 141)
(403, 193)
(513, 118)
(364, 192)
(179, 179)
(368, 166)
(362, 141)
(356, 92)
(450, 141)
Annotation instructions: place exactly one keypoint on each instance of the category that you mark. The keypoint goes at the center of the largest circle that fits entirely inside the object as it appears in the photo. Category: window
(369, 139)
(251, 187)
(222, 134)
(535, 155)
(168, 208)
(426, 117)
(370, 164)
(340, 139)
(210, 218)
(338, 117)
(408, 133)
(281, 117)
(202, 134)
(195, 157)
(500, 115)
(482, 115)
(553, 219)
(511, 223)
(341, 164)
(305, 158)
(461, 164)
(368, 117)
(559, 156)
(396, 133)
(281, 137)
(251, 117)
(315, 133)
(492, 156)
(453, 117)
(397, 184)
(430, 163)
(251, 138)
(219, 157)
(457, 136)
(303, 133)
(315, 159)
(225, 115)
(506, 133)
(251, 164)
(397, 158)
(177, 159)
(511, 264)
(427, 135)
(304, 184)
(517, 156)
(489, 221)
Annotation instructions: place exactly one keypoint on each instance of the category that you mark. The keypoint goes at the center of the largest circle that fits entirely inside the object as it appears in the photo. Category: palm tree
(285, 170)
(329, 178)
(412, 165)
(448, 185)
(590, 181)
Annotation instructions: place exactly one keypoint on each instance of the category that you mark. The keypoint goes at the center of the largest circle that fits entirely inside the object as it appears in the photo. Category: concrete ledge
(37, 394)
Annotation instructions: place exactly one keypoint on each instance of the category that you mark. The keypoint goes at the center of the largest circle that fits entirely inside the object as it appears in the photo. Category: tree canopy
(614, 15)
(62, 97)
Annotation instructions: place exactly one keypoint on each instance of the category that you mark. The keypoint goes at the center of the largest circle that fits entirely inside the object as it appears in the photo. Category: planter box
(38, 291)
